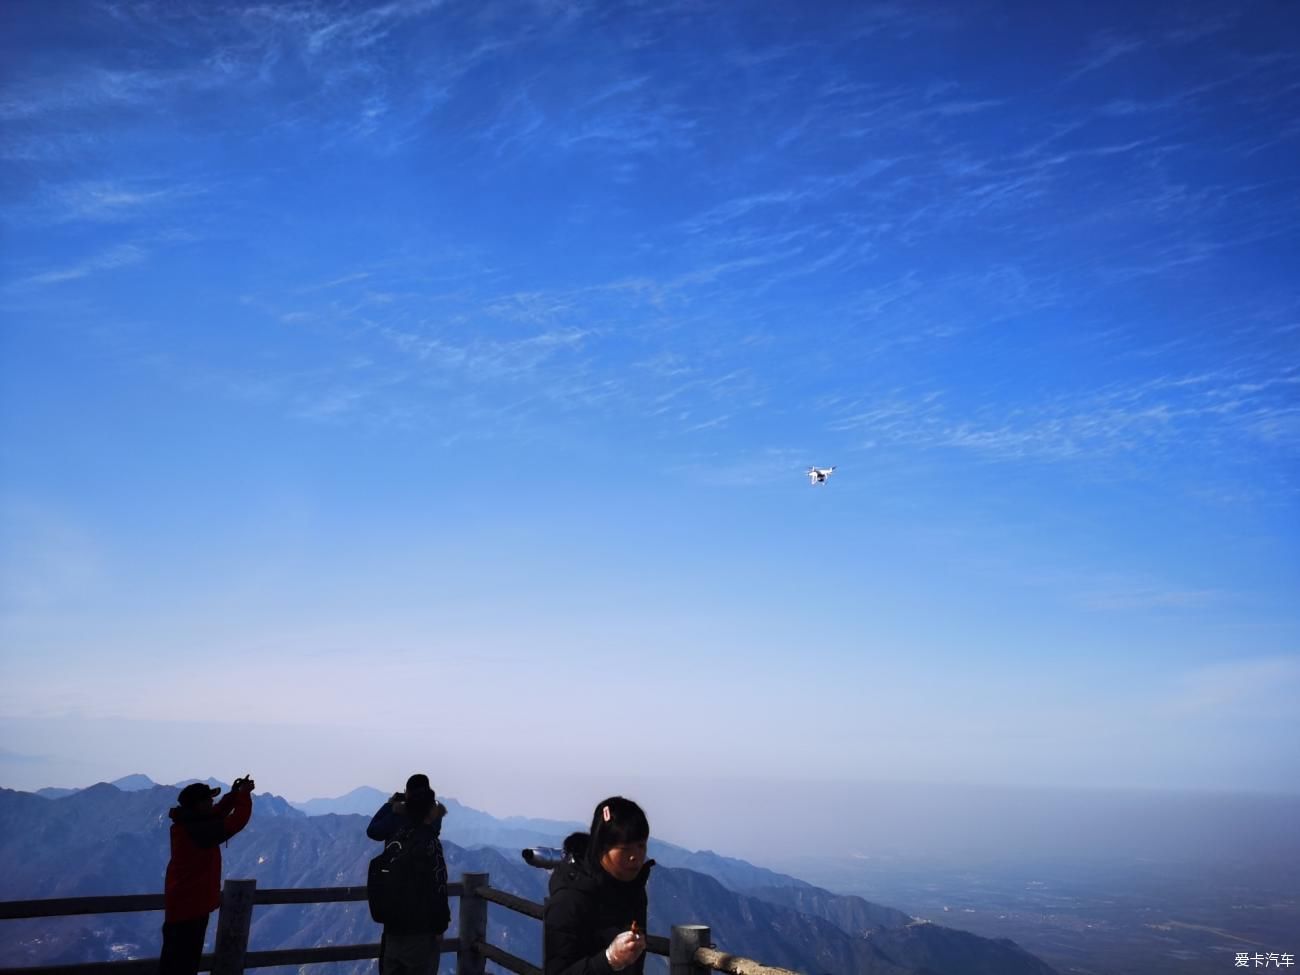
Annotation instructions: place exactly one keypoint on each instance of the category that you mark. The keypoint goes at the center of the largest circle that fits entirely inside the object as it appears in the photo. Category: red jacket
(193, 887)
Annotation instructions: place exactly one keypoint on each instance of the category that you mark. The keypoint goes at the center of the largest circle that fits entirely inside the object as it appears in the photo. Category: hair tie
(605, 813)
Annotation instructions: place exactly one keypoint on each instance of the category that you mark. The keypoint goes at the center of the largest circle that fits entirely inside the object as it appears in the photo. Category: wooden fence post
(473, 925)
(681, 948)
(232, 927)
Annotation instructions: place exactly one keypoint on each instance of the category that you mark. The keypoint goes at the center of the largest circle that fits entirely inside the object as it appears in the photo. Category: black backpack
(406, 885)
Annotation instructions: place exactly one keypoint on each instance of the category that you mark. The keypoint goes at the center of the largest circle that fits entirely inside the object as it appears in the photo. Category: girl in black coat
(596, 914)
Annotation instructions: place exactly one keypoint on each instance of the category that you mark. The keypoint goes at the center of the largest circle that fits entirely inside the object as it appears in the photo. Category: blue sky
(416, 383)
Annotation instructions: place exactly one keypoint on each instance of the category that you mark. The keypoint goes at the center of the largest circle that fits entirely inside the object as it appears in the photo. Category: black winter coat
(586, 910)
(423, 839)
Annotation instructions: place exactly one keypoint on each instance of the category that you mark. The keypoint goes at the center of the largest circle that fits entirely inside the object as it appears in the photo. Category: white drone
(818, 475)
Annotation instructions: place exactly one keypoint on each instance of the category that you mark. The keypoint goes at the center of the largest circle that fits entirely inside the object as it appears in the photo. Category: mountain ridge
(103, 840)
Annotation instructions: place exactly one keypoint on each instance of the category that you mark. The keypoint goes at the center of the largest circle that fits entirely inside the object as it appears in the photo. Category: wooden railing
(689, 951)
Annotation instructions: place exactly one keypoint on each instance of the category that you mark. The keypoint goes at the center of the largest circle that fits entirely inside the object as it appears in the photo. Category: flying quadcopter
(818, 475)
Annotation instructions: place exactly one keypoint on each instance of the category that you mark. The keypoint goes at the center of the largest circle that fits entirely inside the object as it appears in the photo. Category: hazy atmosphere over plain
(429, 385)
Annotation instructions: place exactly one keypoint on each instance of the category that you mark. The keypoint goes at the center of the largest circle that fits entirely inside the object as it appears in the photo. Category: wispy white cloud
(1104, 50)
(617, 91)
(896, 418)
(84, 89)
(364, 28)
(710, 424)
(123, 255)
(754, 468)
(1170, 415)
(244, 51)
(903, 20)
(632, 133)
(1197, 24)
(485, 359)
(335, 282)
(920, 172)
(41, 145)
(1139, 596)
(740, 207)
(111, 201)
(515, 125)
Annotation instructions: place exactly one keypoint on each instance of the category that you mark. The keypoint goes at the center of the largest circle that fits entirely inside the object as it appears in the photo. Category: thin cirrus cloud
(1026, 308)
(112, 259)
(1104, 51)
(108, 201)
(1166, 414)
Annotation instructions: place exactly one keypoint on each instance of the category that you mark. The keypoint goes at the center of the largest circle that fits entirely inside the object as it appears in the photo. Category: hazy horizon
(24, 782)
(781, 823)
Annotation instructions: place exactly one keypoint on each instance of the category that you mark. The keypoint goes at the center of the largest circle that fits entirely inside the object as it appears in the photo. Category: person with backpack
(192, 890)
(595, 918)
(407, 890)
(392, 816)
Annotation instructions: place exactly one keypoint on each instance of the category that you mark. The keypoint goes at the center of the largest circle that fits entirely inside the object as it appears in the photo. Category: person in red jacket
(193, 888)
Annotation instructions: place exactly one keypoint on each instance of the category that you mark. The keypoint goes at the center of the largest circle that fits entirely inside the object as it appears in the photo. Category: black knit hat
(196, 792)
(417, 783)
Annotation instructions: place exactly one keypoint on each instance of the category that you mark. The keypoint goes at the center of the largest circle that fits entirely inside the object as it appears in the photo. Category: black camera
(545, 857)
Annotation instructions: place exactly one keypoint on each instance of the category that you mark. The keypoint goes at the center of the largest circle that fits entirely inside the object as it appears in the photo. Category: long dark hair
(418, 805)
(616, 822)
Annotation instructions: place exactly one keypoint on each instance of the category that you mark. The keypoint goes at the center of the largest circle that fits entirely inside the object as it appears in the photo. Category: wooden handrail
(506, 960)
(127, 903)
(72, 906)
(136, 966)
(520, 905)
(309, 895)
(703, 957)
(720, 961)
(305, 956)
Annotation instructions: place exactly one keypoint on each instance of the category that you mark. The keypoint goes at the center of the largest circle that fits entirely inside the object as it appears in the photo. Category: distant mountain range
(108, 840)
(127, 783)
(362, 800)
(136, 782)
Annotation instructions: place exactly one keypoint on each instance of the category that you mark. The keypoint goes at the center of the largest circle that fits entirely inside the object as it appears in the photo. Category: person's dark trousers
(411, 954)
(182, 946)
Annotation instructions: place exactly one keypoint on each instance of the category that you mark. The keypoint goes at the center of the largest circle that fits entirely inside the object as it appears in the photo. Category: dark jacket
(193, 885)
(586, 910)
(423, 840)
(388, 822)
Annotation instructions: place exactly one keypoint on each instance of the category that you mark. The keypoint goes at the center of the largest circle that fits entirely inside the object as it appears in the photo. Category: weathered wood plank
(234, 920)
(309, 895)
(720, 961)
(506, 960)
(520, 905)
(72, 906)
(307, 956)
(126, 903)
(135, 966)
(323, 895)
(473, 924)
